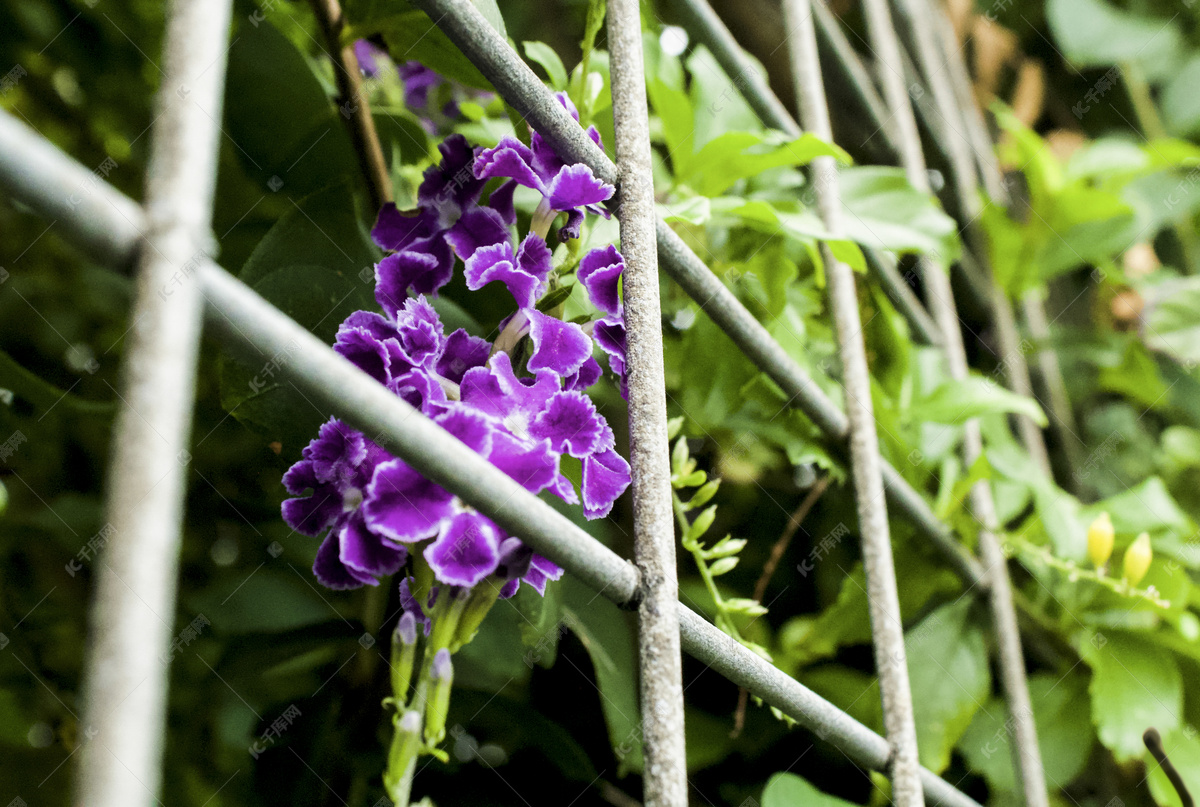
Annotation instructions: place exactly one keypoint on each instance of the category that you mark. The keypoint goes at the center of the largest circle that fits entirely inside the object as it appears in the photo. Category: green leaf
(1093, 33)
(884, 211)
(1064, 729)
(608, 637)
(959, 401)
(1173, 320)
(543, 54)
(1135, 684)
(733, 156)
(789, 790)
(949, 677)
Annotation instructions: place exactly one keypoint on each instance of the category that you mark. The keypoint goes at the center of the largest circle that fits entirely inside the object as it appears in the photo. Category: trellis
(167, 242)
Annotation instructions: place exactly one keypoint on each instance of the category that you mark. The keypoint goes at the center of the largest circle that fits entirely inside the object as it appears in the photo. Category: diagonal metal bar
(1027, 756)
(946, 117)
(659, 655)
(1062, 417)
(707, 27)
(249, 326)
(127, 664)
(883, 599)
(522, 89)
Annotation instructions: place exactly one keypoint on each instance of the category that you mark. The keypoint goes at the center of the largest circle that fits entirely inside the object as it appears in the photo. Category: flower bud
(441, 678)
(404, 653)
(406, 745)
(1100, 540)
(1137, 559)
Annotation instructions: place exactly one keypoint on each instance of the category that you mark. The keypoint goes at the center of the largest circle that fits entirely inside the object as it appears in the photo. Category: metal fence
(166, 243)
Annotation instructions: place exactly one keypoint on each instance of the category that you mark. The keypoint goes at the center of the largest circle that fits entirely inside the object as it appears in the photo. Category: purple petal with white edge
(600, 273)
(515, 558)
(403, 505)
(510, 588)
(378, 326)
(461, 353)
(420, 331)
(451, 187)
(541, 572)
(609, 334)
(332, 573)
(336, 453)
(466, 552)
(478, 228)
(363, 551)
(365, 351)
(534, 467)
(420, 389)
(533, 257)
(587, 375)
(423, 272)
(496, 262)
(496, 391)
(572, 228)
(394, 229)
(471, 428)
(563, 489)
(571, 423)
(560, 347)
(501, 201)
(605, 477)
(309, 515)
(575, 186)
(510, 158)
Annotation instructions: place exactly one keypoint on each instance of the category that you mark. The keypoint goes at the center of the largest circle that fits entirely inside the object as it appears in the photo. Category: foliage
(1101, 227)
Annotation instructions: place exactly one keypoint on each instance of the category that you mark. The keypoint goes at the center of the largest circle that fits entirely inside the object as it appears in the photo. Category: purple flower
(336, 468)
(570, 188)
(368, 54)
(524, 273)
(418, 81)
(600, 274)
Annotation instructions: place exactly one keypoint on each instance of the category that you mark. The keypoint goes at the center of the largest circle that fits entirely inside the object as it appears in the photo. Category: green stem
(705, 575)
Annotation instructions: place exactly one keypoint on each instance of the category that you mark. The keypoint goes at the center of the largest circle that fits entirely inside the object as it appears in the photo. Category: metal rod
(708, 28)
(1027, 756)
(521, 89)
(883, 599)
(127, 663)
(249, 326)
(660, 662)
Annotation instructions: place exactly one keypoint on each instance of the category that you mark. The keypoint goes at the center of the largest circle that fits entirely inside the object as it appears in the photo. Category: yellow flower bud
(1137, 559)
(1100, 540)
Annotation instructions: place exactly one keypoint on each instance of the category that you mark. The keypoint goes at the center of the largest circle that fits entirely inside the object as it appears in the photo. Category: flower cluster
(376, 511)
(423, 86)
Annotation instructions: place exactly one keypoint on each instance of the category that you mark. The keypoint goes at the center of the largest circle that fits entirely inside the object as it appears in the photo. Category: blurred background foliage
(1102, 164)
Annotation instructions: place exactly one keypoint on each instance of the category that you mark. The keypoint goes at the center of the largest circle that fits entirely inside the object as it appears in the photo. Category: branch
(353, 105)
(1153, 742)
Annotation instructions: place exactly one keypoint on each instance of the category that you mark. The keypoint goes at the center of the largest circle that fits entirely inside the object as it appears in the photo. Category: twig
(353, 106)
(1153, 742)
(785, 538)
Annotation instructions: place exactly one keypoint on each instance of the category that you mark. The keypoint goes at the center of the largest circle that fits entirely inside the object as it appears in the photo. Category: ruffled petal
(497, 262)
(451, 187)
(470, 427)
(510, 158)
(311, 515)
(420, 332)
(495, 390)
(534, 257)
(366, 351)
(461, 353)
(533, 467)
(541, 572)
(609, 334)
(571, 423)
(403, 505)
(331, 572)
(363, 551)
(501, 201)
(572, 228)
(477, 228)
(600, 273)
(587, 375)
(576, 186)
(560, 347)
(422, 272)
(466, 552)
(395, 229)
(605, 477)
